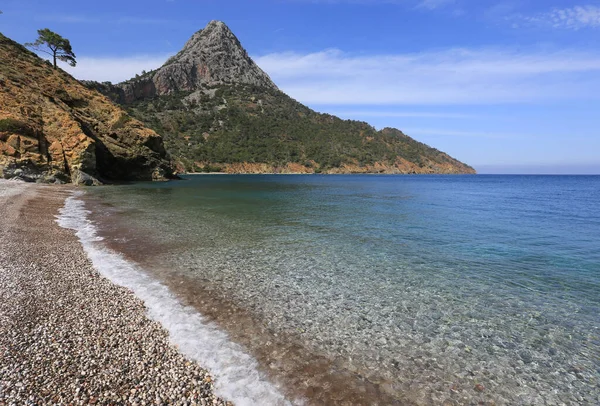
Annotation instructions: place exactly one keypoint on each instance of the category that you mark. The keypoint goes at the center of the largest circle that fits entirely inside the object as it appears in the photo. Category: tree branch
(36, 48)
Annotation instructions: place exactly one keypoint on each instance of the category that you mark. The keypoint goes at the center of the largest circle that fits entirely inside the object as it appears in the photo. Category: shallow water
(425, 289)
(195, 336)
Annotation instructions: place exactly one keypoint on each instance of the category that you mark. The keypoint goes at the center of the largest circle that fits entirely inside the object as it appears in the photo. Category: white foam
(235, 372)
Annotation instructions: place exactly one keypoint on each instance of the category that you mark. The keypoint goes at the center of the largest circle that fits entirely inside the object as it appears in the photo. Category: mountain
(218, 111)
(54, 129)
(213, 57)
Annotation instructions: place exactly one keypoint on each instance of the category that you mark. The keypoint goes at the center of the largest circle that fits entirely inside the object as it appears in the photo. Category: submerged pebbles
(70, 336)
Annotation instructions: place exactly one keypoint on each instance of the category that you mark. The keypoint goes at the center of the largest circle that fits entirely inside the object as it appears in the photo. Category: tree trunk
(54, 57)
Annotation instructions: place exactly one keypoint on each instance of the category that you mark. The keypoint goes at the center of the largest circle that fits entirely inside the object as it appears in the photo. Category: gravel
(70, 336)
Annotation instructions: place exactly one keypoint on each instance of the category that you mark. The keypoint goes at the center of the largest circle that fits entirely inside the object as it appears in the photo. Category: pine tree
(54, 45)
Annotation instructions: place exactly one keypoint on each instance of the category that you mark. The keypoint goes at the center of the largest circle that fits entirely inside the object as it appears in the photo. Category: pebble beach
(67, 334)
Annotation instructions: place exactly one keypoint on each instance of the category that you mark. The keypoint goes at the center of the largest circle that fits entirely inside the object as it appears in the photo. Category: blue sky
(506, 86)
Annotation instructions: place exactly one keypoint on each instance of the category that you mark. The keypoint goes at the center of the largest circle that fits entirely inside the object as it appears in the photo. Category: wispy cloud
(422, 4)
(85, 19)
(66, 18)
(553, 168)
(114, 69)
(402, 114)
(446, 77)
(444, 132)
(366, 2)
(501, 11)
(433, 4)
(455, 76)
(573, 18)
(141, 20)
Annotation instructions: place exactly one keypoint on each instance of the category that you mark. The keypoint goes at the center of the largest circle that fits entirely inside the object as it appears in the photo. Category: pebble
(68, 335)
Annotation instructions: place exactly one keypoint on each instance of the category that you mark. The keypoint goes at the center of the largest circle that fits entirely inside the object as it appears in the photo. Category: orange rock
(49, 118)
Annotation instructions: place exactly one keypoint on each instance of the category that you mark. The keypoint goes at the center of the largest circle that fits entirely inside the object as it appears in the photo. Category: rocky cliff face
(212, 57)
(52, 128)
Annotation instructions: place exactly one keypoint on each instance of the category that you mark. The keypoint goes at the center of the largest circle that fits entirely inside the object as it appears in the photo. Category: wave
(236, 374)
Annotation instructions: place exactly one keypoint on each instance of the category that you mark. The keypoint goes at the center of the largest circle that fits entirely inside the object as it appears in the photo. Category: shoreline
(299, 371)
(236, 374)
(325, 173)
(69, 335)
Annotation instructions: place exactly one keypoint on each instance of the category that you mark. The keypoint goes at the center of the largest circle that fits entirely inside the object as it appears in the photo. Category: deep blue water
(424, 281)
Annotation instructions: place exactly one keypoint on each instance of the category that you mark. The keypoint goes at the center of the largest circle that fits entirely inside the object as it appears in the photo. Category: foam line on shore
(236, 374)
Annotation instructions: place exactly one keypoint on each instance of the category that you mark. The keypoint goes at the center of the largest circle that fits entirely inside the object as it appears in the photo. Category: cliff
(218, 111)
(54, 129)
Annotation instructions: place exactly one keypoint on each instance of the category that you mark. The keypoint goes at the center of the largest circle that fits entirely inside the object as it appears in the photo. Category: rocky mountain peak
(215, 36)
(212, 56)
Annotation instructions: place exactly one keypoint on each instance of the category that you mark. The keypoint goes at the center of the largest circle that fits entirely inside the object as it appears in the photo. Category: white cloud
(141, 20)
(366, 2)
(455, 76)
(540, 168)
(402, 114)
(67, 19)
(433, 4)
(426, 4)
(86, 19)
(446, 77)
(457, 133)
(114, 69)
(575, 18)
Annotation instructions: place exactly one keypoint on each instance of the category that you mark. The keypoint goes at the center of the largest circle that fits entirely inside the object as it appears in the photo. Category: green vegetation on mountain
(245, 124)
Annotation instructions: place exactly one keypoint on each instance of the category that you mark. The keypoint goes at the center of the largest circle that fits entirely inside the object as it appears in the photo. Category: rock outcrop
(212, 57)
(54, 129)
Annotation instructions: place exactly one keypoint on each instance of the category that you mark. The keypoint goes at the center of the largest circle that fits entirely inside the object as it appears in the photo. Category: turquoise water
(457, 289)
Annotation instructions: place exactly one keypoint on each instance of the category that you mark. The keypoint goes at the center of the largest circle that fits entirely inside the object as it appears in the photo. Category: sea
(364, 289)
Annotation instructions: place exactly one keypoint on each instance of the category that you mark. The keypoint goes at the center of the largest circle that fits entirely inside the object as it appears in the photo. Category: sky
(507, 86)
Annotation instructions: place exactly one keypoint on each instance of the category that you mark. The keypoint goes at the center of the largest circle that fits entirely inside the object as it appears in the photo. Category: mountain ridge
(217, 110)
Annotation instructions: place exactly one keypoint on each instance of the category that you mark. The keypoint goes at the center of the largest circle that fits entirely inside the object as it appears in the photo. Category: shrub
(120, 123)
(14, 126)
